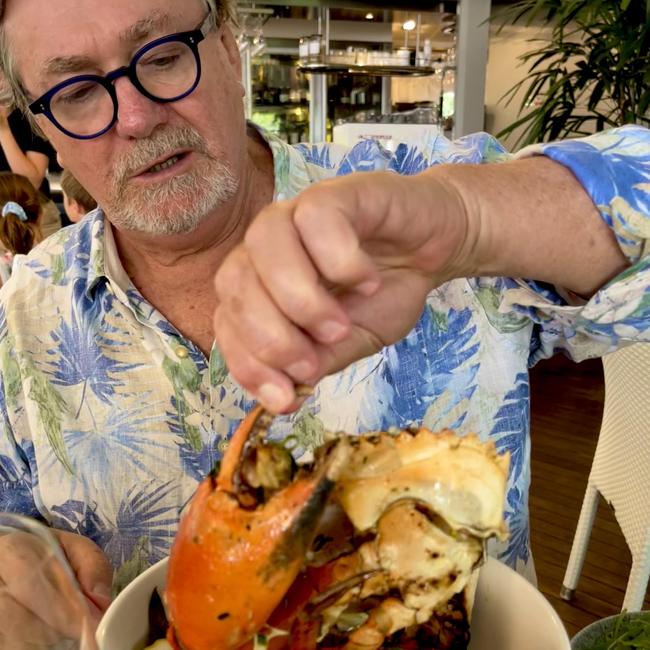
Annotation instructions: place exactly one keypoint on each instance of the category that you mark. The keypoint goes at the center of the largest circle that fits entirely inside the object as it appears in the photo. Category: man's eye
(163, 57)
(163, 61)
(78, 94)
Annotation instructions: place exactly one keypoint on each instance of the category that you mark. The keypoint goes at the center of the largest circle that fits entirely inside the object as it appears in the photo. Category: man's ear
(59, 160)
(232, 49)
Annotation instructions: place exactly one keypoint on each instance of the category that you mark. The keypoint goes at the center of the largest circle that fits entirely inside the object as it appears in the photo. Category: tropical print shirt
(110, 417)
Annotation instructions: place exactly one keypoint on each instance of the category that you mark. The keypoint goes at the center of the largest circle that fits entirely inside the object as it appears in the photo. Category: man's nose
(137, 115)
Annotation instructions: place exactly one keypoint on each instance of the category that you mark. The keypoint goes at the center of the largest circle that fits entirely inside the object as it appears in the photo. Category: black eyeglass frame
(41, 106)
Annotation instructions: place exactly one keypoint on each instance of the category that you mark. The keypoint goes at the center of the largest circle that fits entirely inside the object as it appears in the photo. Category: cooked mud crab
(373, 544)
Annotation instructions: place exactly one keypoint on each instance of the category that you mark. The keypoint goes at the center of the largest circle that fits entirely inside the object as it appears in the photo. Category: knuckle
(245, 372)
(232, 274)
(303, 304)
(310, 205)
(273, 348)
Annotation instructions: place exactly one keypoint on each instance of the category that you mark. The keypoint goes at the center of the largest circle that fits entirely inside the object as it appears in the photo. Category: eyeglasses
(164, 70)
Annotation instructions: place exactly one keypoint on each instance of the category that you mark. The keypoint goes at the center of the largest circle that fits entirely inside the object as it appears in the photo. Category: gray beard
(176, 206)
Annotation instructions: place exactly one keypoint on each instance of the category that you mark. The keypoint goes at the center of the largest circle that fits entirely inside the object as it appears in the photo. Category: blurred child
(76, 200)
(21, 209)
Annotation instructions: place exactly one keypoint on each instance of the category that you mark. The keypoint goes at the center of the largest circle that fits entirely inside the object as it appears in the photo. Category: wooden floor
(566, 410)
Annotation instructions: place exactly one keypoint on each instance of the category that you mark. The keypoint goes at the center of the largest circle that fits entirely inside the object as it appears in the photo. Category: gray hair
(12, 93)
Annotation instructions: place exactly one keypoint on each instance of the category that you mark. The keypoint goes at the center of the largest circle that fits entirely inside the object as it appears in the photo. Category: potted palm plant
(593, 73)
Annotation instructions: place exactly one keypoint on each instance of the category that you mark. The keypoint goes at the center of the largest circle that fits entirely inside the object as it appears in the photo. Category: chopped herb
(628, 633)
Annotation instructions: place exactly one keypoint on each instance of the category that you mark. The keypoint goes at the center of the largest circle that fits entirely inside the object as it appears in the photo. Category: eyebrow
(137, 32)
(142, 29)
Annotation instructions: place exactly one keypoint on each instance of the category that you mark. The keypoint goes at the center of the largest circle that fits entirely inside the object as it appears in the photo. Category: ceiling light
(409, 25)
(370, 16)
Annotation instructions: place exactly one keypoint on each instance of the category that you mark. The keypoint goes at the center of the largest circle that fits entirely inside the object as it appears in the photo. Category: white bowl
(509, 613)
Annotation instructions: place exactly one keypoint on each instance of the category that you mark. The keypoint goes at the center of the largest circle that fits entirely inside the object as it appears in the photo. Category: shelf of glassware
(372, 70)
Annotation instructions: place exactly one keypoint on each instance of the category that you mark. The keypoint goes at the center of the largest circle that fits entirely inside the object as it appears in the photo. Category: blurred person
(21, 216)
(76, 200)
(25, 153)
(421, 291)
(21, 150)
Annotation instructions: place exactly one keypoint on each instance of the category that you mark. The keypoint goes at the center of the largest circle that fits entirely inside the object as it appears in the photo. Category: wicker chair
(621, 470)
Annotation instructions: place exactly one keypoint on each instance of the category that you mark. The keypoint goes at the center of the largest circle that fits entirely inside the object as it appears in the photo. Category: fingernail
(101, 595)
(301, 370)
(331, 331)
(274, 398)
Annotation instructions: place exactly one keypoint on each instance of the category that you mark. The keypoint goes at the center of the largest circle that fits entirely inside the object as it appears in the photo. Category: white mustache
(146, 152)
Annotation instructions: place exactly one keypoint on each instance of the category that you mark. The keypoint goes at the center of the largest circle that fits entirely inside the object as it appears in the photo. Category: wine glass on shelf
(41, 604)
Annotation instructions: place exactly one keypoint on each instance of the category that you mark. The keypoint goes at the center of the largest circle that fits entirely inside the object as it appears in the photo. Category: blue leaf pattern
(315, 154)
(518, 546)
(15, 489)
(512, 420)
(139, 424)
(80, 358)
(408, 160)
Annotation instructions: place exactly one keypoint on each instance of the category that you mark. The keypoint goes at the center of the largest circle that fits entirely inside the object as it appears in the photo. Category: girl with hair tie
(21, 209)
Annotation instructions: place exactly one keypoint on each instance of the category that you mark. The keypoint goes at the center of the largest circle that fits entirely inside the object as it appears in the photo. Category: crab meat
(424, 503)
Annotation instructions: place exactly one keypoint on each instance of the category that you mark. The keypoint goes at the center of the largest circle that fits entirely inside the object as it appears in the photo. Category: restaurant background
(281, 91)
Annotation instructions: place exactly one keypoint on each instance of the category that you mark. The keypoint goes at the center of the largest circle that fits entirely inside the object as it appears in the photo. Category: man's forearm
(531, 218)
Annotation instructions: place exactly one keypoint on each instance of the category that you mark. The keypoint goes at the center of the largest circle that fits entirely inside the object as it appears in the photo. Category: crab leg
(231, 565)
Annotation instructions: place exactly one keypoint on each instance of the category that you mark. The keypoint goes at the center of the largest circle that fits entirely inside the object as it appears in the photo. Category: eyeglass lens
(166, 72)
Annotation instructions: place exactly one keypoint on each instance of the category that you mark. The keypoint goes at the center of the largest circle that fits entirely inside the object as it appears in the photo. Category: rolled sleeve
(616, 315)
(614, 169)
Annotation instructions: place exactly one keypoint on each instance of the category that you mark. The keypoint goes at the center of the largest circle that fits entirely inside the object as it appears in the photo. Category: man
(116, 400)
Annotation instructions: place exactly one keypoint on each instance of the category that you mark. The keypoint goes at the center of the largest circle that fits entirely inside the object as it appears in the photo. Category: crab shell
(423, 503)
(234, 558)
(460, 478)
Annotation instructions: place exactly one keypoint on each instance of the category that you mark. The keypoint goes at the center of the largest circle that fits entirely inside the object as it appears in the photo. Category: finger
(90, 565)
(378, 320)
(261, 327)
(269, 386)
(21, 629)
(289, 275)
(36, 578)
(336, 250)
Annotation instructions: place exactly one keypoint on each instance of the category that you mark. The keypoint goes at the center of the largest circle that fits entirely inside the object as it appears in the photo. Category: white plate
(509, 613)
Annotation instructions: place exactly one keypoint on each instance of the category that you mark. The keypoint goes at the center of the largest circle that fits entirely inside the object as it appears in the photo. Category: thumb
(91, 567)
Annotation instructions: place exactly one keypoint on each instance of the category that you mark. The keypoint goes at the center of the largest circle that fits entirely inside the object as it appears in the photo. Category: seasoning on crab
(376, 543)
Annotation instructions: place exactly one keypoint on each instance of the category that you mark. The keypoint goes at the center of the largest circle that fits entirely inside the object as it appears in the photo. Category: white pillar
(473, 36)
(317, 107)
(247, 82)
(318, 86)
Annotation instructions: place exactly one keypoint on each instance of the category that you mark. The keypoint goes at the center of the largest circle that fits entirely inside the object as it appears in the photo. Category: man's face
(163, 167)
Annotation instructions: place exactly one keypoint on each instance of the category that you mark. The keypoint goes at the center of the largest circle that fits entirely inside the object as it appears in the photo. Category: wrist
(459, 207)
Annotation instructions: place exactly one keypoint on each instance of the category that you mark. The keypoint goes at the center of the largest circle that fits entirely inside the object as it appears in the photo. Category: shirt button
(182, 352)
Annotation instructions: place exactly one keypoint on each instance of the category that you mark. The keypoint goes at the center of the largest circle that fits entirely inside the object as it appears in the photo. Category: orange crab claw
(236, 554)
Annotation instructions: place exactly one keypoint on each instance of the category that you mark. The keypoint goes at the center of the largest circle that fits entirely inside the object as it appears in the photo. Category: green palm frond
(51, 407)
(10, 371)
(593, 73)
